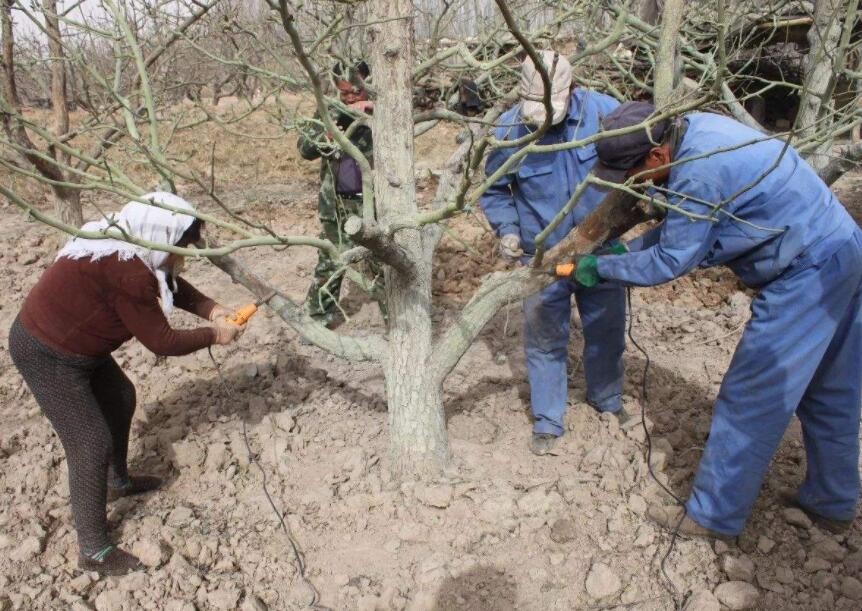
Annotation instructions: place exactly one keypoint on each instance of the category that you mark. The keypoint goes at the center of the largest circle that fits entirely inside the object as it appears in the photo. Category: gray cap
(619, 154)
(532, 89)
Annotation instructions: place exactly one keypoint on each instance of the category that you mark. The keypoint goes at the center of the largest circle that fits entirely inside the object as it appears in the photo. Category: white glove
(510, 247)
(225, 332)
(218, 311)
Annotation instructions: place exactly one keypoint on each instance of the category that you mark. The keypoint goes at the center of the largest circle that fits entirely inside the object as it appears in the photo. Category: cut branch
(383, 246)
(618, 212)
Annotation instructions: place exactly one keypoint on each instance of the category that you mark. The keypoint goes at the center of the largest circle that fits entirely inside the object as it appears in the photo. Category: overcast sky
(23, 23)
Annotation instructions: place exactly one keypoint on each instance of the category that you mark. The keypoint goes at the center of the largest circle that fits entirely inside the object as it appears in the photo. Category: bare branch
(370, 348)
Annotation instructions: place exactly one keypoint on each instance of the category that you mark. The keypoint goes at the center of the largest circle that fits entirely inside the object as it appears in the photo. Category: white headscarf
(143, 222)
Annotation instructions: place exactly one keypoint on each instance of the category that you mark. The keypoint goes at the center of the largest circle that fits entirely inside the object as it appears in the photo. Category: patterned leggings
(89, 402)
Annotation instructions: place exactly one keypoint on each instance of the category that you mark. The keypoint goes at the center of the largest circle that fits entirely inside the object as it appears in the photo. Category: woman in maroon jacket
(97, 295)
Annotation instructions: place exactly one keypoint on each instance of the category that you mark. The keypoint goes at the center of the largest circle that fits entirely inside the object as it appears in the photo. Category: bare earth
(503, 530)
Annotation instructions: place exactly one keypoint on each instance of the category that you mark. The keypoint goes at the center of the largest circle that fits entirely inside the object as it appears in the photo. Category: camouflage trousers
(325, 289)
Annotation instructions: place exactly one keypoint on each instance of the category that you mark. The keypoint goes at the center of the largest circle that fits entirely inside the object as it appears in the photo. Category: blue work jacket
(774, 210)
(529, 195)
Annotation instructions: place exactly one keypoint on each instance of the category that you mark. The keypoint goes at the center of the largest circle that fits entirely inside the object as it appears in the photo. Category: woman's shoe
(138, 484)
(114, 562)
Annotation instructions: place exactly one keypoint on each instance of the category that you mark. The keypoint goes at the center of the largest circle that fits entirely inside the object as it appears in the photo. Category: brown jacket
(90, 308)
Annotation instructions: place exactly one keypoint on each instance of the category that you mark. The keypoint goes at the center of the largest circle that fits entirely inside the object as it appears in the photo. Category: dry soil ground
(503, 530)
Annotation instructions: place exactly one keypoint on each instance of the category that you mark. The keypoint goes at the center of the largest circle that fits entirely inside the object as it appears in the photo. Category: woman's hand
(225, 331)
(219, 311)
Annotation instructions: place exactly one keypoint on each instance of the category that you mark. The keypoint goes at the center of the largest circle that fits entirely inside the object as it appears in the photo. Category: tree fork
(384, 247)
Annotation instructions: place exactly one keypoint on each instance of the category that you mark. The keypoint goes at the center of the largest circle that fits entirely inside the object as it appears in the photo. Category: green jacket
(312, 144)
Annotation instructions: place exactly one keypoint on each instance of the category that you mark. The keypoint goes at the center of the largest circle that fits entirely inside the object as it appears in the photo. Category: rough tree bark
(649, 11)
(417, 426)
(821, 65)
(10, 89)
(67, 202)
(666, 70)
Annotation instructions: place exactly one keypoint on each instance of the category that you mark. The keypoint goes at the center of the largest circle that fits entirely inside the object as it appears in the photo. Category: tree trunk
(649, 11)
(10, 89)
(67, 202)
(74, 96)
(820, 68)
(67, 206)
(417, 425)
(58, 72)
(418, 441)
(667, 56)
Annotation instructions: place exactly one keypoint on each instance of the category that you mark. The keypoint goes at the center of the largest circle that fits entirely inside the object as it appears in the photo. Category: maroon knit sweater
(90, 308)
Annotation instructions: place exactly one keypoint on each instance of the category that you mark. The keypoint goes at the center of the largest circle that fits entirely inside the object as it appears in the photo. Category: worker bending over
(780, 229)
(97, 295)
(519, 205)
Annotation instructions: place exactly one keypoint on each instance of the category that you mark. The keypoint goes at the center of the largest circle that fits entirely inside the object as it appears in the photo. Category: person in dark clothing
(340, 190)
(97, 295)
(470, 101)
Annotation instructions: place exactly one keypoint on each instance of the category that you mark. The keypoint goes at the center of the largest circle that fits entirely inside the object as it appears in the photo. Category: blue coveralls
(802, 348)
(524, 201)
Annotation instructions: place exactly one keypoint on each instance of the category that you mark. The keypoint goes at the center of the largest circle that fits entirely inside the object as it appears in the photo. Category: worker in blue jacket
(748, 201)
(519, 205)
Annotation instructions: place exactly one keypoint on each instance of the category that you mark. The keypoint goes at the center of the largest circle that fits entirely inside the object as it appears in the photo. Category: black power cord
(298, 556)
(644, 400)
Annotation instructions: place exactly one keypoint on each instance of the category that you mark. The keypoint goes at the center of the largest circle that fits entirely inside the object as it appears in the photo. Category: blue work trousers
(801, 352)
(547, 318)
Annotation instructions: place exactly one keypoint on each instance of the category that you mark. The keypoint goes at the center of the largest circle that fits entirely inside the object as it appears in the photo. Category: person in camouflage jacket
(340, 197)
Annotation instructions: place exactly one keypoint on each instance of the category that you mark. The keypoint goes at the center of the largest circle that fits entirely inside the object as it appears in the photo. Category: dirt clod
(764, 544)
(602, 582)
(150, 553)
(435, 496)
(738, 568)
(737, 595)
(28, 549)
(253, 603)
(224, 598)
(796, 517)
(828, 549)
(563, 530)
(702, 600)
(109, 600)
(851, 587)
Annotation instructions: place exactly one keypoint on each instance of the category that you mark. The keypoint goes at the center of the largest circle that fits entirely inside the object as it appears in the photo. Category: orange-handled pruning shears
(564, 270)
(243, 314)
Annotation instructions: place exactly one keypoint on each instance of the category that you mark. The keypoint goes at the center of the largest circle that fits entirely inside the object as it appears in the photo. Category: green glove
(587, 273)
(618, 249)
